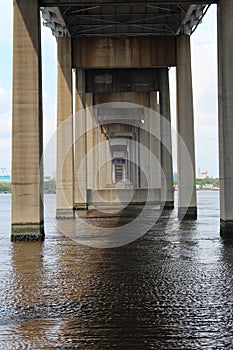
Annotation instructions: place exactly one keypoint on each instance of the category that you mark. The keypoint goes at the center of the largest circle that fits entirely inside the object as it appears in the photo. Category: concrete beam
(122, 80)
(114, 2)
(225, 74)
(124, 52)
(187, 206)
(27, 129)
(139, 98)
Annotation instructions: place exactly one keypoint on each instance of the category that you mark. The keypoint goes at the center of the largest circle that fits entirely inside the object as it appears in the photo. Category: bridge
(113, 128)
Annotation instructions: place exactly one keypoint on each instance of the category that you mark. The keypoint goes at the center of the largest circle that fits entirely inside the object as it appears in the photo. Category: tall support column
(90, 138)
(134, 159)
(27, 129)
(225, 74)
(187, 206)
(65, 190)
(155, 145)
(167, 190)
(144, 149)
(80, 142)
(109, 163)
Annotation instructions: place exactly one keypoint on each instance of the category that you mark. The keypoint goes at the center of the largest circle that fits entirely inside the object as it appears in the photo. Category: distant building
(5, 178)
(47, 178)
(204, 175)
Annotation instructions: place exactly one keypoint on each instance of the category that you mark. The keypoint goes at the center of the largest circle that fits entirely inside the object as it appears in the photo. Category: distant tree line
(5, 187)
(203, 182)
(50, 186)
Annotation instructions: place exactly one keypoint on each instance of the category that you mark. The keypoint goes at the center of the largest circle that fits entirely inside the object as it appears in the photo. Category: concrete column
(187, 206)
(109, 163)
(131, 162)
(90, 132)
(104, 178)
(167, 189)
(134, 159)
(137, 139)
(225, 107)
(113, 174)
(96, 154)
(155, 144)
(80, 142)
(27, 129)
(65, 190)
(144, 149)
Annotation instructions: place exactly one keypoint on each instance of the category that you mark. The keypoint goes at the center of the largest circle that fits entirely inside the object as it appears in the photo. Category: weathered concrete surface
(113, 196)
(144, 152)
(130, 52)
(185, 127)
(140, 98)
(90, 129)
(80, 173)
(155, 144)
(225, 107)
(113, 2)
(167, 190)
(27, 146)
(122, 80)
(65, 192)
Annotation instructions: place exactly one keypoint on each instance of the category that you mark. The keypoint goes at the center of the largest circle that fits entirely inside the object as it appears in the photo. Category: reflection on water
(171, 289)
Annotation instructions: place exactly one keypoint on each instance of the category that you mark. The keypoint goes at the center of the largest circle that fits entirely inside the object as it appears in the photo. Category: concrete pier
(167, 190)
(225, 76)
(80, 142)
(187, 205)
(65, 190)
(154, 142)
(27, 128)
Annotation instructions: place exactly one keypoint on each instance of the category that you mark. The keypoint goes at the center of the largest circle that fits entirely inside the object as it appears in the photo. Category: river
(172, 288)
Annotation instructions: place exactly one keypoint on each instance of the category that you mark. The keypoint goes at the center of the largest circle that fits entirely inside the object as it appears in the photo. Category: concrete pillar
(113, 174)
(109, 163)
(155, 145)
(187, 206)
(90, 132)
(101, 154)
(144, 149)
(134, 159)
(225, 76)
(27, 129)
(137, 140)
(65, 190)
(80, 142)
(131, 176)
(96, 154)
(167, 189)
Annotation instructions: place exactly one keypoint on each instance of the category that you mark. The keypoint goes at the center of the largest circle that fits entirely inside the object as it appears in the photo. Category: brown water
(171, 289)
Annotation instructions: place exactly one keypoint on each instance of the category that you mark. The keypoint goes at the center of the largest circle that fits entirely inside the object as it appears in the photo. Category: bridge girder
(132, 18)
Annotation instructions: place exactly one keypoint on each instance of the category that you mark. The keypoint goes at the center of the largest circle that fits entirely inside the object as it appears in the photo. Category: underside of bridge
(114, 141)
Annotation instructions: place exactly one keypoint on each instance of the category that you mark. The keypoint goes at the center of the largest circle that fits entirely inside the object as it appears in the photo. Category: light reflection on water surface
(171, 289)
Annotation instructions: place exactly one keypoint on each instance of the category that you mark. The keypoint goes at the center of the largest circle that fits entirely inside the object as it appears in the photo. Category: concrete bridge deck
(131, 18)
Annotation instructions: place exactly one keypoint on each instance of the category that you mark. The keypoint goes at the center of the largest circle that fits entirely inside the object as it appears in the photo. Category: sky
(204, 72)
